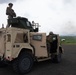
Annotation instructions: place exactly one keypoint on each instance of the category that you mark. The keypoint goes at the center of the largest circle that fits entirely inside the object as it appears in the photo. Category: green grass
(68, 39)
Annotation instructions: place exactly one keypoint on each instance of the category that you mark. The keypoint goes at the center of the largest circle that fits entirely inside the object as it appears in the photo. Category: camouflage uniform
(50, 37)
(10, 12)
(49, 41)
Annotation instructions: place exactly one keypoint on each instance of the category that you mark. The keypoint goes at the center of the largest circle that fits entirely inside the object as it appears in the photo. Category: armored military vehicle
(21, 45)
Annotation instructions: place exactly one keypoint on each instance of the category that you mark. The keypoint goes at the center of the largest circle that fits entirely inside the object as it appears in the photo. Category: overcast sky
(58, 16)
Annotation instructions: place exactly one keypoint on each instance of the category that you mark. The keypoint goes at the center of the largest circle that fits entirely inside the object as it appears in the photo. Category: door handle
(43, 46)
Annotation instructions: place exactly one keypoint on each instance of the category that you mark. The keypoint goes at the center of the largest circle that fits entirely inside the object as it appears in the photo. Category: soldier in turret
(10, 12)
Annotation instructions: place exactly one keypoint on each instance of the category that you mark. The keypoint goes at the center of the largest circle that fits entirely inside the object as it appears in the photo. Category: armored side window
(8, 38)
(19, 38)
(54, 38)
(37, 37)
(4, 37)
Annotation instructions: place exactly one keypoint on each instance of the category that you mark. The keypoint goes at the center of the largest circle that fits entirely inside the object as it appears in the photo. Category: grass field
(68, 39)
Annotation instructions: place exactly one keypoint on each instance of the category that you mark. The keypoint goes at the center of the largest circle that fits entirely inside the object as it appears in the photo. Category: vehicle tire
(15, 65)
(2, 64)
(57, 58)
(24, 63)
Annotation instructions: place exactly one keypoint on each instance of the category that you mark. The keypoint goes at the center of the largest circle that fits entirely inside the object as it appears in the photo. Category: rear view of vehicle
(21, 45)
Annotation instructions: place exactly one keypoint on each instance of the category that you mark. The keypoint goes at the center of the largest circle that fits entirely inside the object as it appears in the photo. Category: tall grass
(68, 39)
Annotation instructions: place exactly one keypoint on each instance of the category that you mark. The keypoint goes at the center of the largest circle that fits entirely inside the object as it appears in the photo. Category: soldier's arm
(9, 12)
(14, 14)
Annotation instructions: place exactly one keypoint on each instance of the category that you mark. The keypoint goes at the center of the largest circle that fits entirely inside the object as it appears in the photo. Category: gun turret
(21, 22)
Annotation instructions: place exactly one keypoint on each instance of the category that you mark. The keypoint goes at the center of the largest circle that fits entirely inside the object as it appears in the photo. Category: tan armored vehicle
(22, 45)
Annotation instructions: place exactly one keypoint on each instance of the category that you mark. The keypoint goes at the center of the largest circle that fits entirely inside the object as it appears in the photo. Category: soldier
(50, 40)
(10, 12)
(50, 37)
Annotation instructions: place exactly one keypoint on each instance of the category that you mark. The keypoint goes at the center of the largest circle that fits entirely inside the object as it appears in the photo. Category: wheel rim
(25, 64)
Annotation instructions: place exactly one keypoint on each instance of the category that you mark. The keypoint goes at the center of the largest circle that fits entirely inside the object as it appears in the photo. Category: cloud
(52, 15)
(6, 1)
(68, 28)
(67, 1)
